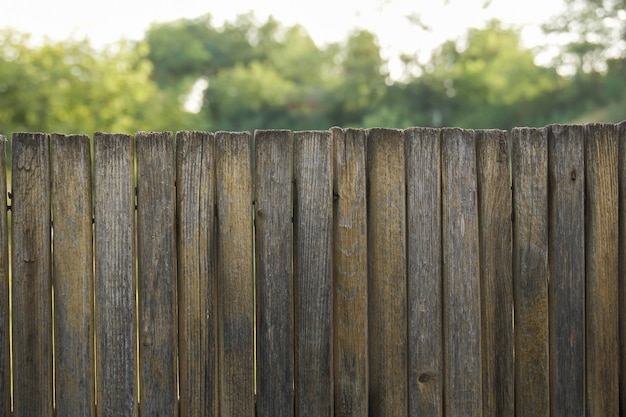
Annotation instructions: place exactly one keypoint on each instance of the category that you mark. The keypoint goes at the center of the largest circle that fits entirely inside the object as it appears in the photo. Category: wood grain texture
(5, 358)
(274, 279)
(387, 286)
(197, 273)
(350, 273)
(529, 155)
(32, 289)
(116, 342)
(461, 276)
(602, 270)
(494, 211)
(622, 260)
(236, 275)
(156, 244)
(73, 276)
(313, 274)
(567, 270)
(423, 222)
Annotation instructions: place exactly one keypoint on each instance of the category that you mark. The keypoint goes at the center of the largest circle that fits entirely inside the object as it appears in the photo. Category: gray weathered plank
(156, 250)
(197, 273)
(5, 365)
(72, 262)
(423, 222)
(313, 274)
(387, 273)
(461, 276)
(602, 270)
(494, 205)
(622, 259)
(567, 270)
(350, 273)
(235, 273)
(32, 292)
(274, 279)
(529, 155)
(116, 342)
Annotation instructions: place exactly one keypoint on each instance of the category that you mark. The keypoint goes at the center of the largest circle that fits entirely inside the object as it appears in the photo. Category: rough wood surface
(274, 278)
(566, 174)
(73, 276)
(622, 258)
(32, 292)
(312, 282)
(387, 290)
(235, 277)
(197, 273)
(602, 270)
(116, 341)
(156, 244)
(423, 223)
(5, 365)
(461, 276)
(494, 205)
(529, 155)
(350, 273)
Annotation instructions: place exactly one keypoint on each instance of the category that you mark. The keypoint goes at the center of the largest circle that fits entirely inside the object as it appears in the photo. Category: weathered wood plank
(274, 286)
(5, 359)
(387, 273)
(197, 273)
(567, 270)
(602, 270)
(32, 290)
(236, 275)
(423, 222)
(494, 220)
(156, 244)
(73, 276)
(116, 342)
(313, 274)
(461, 276)
(622, 260)
(529, 155)
(350, 273)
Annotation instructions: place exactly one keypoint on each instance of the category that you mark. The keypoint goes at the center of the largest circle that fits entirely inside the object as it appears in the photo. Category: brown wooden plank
(235, 279)
(156, 244)
(622, 260)
(73, 276)
(461, 276)
(313, 269)
(567, 270)
(5, 359)
(494, 219)
(423, 221)
(602, 270)
(32, 292)
(274, 286)
(529, 155)
(350, 273)
(116, 342)
(387, 273)
(197, 273)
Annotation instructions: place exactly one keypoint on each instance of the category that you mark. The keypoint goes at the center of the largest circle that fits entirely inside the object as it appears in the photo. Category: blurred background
(75, 66)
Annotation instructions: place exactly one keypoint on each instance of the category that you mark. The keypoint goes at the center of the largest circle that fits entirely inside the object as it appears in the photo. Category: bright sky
(326, 20)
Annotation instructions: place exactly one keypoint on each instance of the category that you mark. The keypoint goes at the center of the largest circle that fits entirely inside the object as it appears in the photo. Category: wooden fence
(329, 273)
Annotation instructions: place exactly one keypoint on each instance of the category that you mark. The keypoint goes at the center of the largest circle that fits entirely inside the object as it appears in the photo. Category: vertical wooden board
(312, 278)
(116, 342)
(350, 273)
(274, 278)
(5, 369)
(602, 270)
(423, 222)
(73, 275)
(387, 283)
(494, 222)
(197, 273)
(156, 244)
(529, 156)
(235, 276)
(32, 292)
(461, 276)
(567, 270)
(622, 261)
